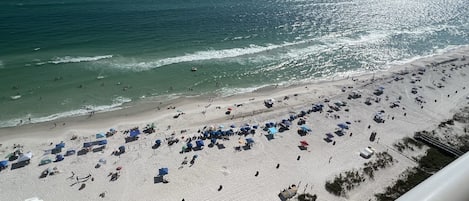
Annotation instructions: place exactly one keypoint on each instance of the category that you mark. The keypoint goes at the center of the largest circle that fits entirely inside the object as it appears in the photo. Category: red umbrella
(230, 109)
(304, 143)
(119, 168)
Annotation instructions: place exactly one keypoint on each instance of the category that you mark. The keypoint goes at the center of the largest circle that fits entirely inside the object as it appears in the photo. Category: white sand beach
(440, 84)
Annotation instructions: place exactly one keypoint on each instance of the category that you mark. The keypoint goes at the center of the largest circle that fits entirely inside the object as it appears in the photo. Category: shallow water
(71, 57)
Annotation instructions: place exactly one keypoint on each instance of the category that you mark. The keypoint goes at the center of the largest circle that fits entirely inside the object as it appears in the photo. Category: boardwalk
(434, 142)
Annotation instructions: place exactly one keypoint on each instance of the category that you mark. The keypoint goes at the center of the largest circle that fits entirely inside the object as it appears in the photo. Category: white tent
(25, 157)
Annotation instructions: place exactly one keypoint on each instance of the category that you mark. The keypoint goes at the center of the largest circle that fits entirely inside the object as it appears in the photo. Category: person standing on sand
(278, 165)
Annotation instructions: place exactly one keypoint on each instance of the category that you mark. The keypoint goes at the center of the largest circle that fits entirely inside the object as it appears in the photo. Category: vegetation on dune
(348, 180)
(433, 161)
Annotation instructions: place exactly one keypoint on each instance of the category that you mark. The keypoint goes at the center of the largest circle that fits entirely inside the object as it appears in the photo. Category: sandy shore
(439, 84)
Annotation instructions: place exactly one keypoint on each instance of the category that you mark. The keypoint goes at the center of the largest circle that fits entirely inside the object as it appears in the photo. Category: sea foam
(70, 59)
(205, 55)
(84, 110)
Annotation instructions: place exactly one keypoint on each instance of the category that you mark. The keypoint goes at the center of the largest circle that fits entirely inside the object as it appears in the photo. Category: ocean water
(63, 58)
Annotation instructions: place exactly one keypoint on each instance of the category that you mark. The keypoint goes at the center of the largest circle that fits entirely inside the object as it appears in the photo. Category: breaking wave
(70, 59)
(84, 110)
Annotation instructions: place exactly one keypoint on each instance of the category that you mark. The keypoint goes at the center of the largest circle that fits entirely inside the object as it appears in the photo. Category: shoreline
(142, 104)
(233, 169)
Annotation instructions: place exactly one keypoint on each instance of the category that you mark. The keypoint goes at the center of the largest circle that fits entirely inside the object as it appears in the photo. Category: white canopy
(25, 157)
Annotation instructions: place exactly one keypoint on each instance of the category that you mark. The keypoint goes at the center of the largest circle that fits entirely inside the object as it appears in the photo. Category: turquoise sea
(63, 58)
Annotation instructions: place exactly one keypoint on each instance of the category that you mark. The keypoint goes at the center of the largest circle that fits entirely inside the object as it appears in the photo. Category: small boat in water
(15, 97)
(193, 69)
(100, 77)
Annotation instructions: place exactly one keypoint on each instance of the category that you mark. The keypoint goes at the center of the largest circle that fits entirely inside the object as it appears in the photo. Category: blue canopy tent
(189, 145)
(329, 135)
(249, 140)
(100, 135)
(122, 149)
(305, 128)
(200, 143)
(60, 145)
(59, 158)
(272, 130)
(70, 152)
(134, 133)
(158, 142)
(87, 144)
(342, 126)
(213, 140)
(163, 171)
(102, 142)
(3, 164)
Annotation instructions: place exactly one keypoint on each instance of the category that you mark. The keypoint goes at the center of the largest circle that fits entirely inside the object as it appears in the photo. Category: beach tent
(70, 152)
(122, 149)
(249, 140)
(329, 135)
(134, 133)
(100, 135)
(25, 157)
(305, 128)
(45, 160)
(59, 158)
(286, 122)
(102, 142)
(272, 130)
(213, 140)
(87, 144)
(342, 126)
(200, 143)
(189, 145)
(304, 143)
(158, 142)
(3, 164)
(102, 160)
(163, 171)
(60, 145)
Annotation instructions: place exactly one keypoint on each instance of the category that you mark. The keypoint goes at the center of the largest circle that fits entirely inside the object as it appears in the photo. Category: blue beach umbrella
(163, 171)
(60, 145)
(342, 126)
(199, 143)
(272, 130)
(305, 128)
(134, 133)
(3, 164)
